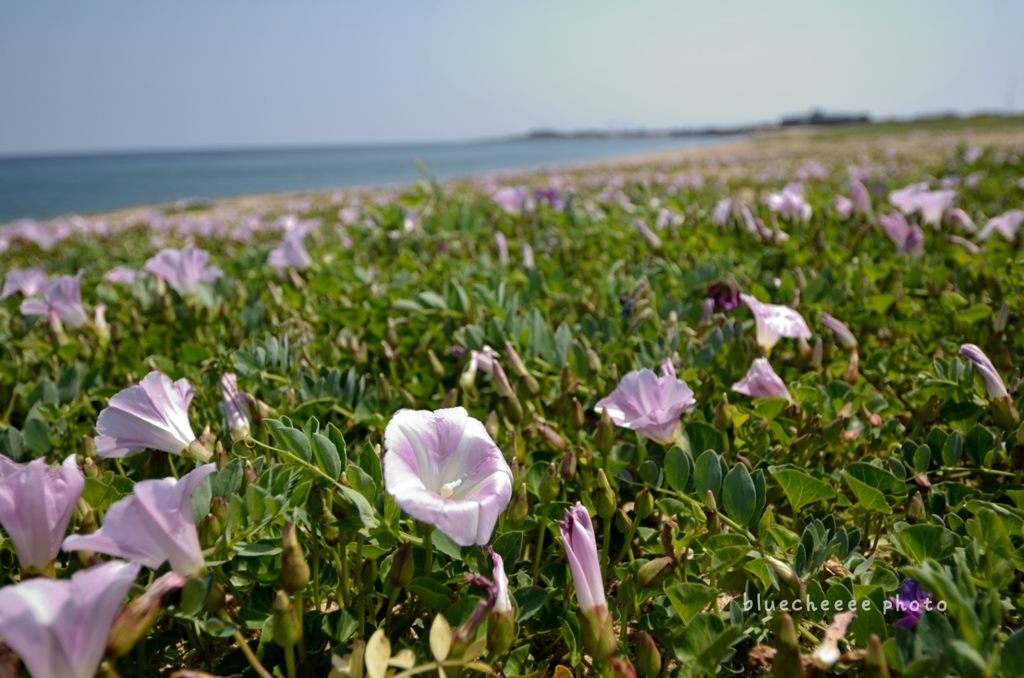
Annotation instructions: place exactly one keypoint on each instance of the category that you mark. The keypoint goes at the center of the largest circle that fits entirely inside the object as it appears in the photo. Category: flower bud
(383, 389)
(519, 473)
(598, 634)
(450, 398)
(219, 509)
(622, 521)
(643, 505)
(875, 663)
(915, 510)
(513, 409)
(287, 628)
(361, 352)
(402, 566)
(435, 364)
(501, 383)
(85, 517)
(249, 476)
(391, 333)
(605, 496)
(294, 569)
(551, 436)
(852, 369)
(550, 484)
(467, 380)
(577, 417)
(501, 631)
(209, 529)
(567, 467)
(315, 502)
(785, 573)
(137, 617)
(604, 439)
(817, 355)
(648, 658)
(197, 451)
(593, 361)
(519, 509)
(89, 447)
(90, 469)
(389, 353)
(567, 380)
(621, 668)
(1002, 317)
(493, 426)
(722, 418)
(654, 572)
(408, 398)
(613, 378)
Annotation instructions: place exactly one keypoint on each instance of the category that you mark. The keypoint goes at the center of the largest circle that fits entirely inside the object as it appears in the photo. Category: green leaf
(327, 457)
(677, 468)
(100, 493)
(707, 474)
(335, 436)
(291, 439)
(802, 489)
(509, 546)
(433, 300)
(367, 516)
(921, 542)
(228, 481)
(689, 598)
(978, 443)
(339, 625)
(953, 448)
(702, 437)
(1012, 655)
(433, 594)
(529, 599)
(871, 484)
(738, 495)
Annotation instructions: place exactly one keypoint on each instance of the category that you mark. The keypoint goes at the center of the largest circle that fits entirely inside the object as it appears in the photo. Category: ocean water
(47, 186)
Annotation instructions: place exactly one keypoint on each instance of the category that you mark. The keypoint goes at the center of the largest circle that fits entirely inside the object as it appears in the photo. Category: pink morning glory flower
(59, 627)
(29, 281)
(63, 300)
(36, 505)
(843, 334)
(650, 236)
(722, 212)
(959, 218)
(121, 274)
(983, 366)
(501, 242)
(527, 251)
(152, 526)
(1007, 224)
(844, 206)
(918, 198)
(774, 322)
(511, 199)
(907, 238)
(761, 381)
(291, 253)
(648, 404)
(860, 197)
(183, 269)
(790, 202)
(153, 415)
(442, 468)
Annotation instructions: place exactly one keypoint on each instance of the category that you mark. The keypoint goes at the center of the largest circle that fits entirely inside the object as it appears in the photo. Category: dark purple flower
(912, 600)
(725, 293)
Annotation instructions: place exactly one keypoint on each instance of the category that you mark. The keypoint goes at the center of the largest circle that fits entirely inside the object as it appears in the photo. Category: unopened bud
(294, 569)
(598, 634)
(515, 363)
(91, 470)
(513, 409)
(550, 484)
(567, 467)
(654, 572)
(219, 509)
(519, 473)
(391, 333)
(710, 505)
(784, 572)
(86, 517)
(604, 439)
(287, 628)
(249, 476)
(722, 418)
(402, 566)
(643, 505)
(389, 353)
(197, 451)
(520, 508)
(577, 417)
(383, 389)
(408, 398)
(1002, 317)
(621, 668)
(623, 521)
(492, 425)
(613, 377)
(852, 369)
(501, 383)
(566, 382)
(89, 447)
(467, 380)
(137, 617)
(449, 398)
(501, 631)
(605, 496)
(368, 575)
(648, 658)
(593, 361)
(817, 355)
(209, 529)
(360, 352)
(875, 663)
(915, 510)
(436, 366)
(551, 436)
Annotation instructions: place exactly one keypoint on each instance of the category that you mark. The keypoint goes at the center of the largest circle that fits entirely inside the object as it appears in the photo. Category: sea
(46, 186)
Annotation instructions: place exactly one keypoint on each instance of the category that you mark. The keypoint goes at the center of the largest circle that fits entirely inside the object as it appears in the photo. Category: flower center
(448, 489)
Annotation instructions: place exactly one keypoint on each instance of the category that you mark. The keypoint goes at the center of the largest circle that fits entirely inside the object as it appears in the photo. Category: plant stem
(428, 546)
(289, 660)
(540, 540)
(246, 650)
(316, 565)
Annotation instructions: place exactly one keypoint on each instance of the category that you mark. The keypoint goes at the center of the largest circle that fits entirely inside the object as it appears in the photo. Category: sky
(118, 75)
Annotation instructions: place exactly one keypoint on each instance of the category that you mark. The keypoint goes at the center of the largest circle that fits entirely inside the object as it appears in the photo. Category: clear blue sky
(120, 74)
